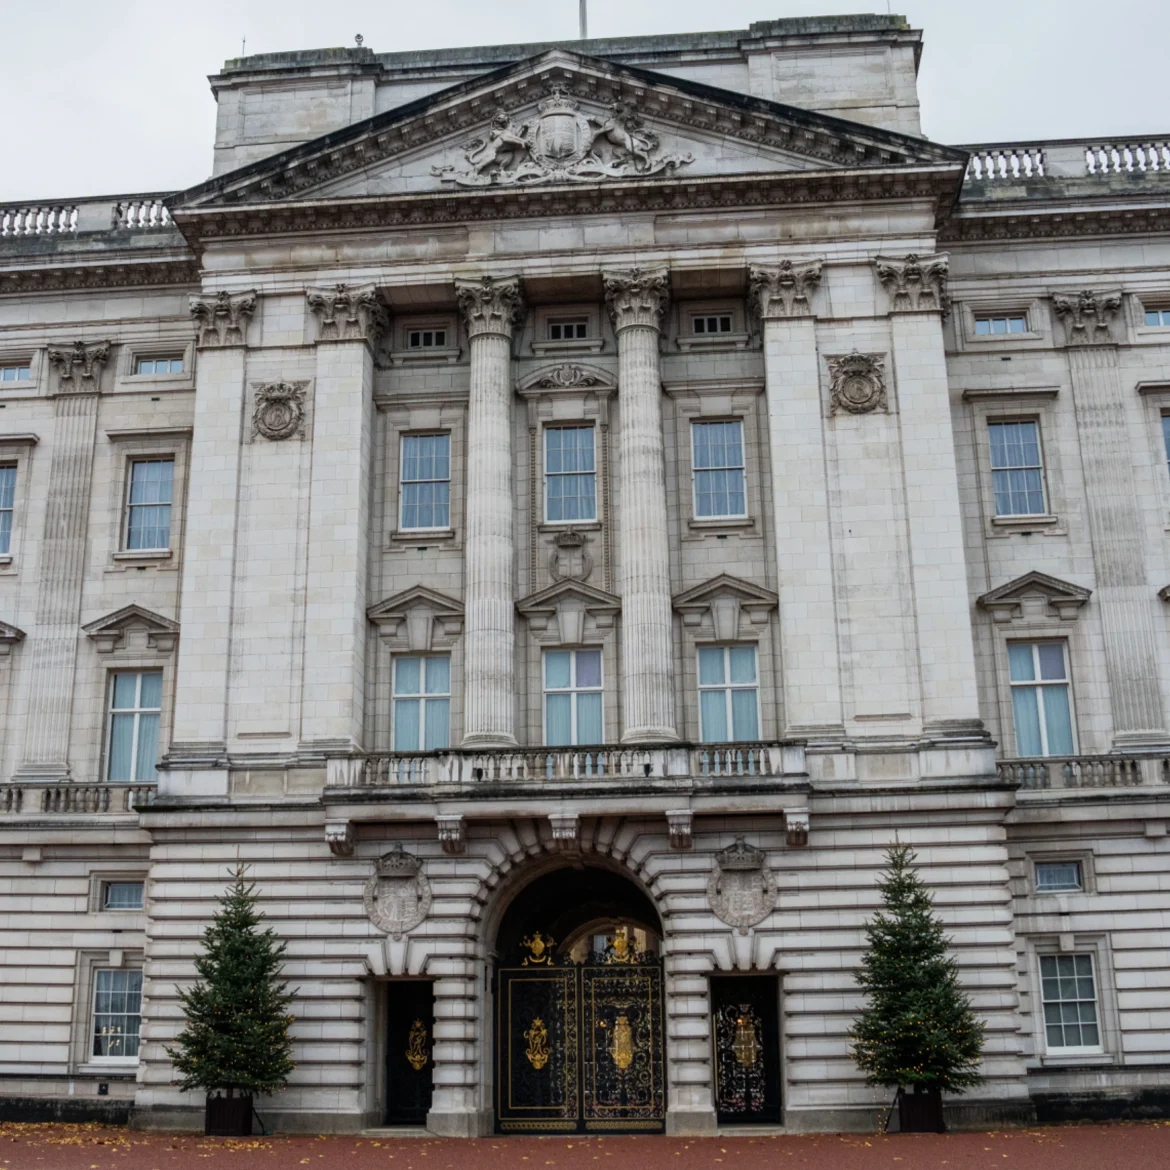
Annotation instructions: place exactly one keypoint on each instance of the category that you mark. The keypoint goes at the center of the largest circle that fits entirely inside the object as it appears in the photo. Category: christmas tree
(918, 1027)
(236, 1038)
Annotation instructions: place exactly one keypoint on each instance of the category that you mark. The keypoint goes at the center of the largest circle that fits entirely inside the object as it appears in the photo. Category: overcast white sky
(104, 97)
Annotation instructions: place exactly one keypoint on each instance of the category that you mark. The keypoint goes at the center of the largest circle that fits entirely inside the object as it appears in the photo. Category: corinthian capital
(1087, 315)
(222, 320)
(637, 296)
(784, 291)
(916, 284)
(80, 365)
(490, 306)
(349, 314)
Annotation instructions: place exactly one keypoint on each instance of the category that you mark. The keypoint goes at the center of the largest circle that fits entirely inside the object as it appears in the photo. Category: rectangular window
(422, 703)
(163, 365)
(568, 328)
(15, 373)
(1017, 472)
(117, 1013)
(570, 474)
(1159, 318)
(1166, 436)
(426, 339)
(717, 458)
(7, 507)
(135, 708)
(729, 707)
(1001, 326)
(706, 324)
(425, 481)
(121, 895)
(572, 698)
(1070, 1002)
(1055, 877)
(148, 512)
(1040, 699)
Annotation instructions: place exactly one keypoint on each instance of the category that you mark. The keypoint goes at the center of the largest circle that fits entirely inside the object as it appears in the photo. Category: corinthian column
(637, 301)
(492, 309)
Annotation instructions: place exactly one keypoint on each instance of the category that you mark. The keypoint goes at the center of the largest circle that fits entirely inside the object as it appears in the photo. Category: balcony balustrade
(25, 799)
(1054, 772)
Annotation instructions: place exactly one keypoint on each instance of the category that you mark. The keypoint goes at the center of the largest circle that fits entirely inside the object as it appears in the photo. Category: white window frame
(578, 321)
(697, 471)
(137, 711)
(1039, 862)
(137, 461)
(1163, 314)
(1040, 683)
(403, 438)
(10, 511)
(1041, 1003)
(727, 687)
(1007, 317)
(573, 690)
(1044, 503)
(169, 358)
(420, 697)
(95, 1058)
(10, 374)
(448, 352)
(550, 476)
(108, 882)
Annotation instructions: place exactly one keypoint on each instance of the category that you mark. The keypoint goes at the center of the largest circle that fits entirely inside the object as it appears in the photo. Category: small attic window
(705, 325)
(426, 339)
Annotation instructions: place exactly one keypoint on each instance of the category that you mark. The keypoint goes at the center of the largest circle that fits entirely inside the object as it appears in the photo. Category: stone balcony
(55, 798)
(1052, 774)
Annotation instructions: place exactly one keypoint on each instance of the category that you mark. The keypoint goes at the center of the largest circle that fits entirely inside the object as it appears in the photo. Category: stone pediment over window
(724, 601)
(9, 636)
(568, 121)
(418, 618)
(567, 377)
(1035, 595)
(133, 626)
(558, 614)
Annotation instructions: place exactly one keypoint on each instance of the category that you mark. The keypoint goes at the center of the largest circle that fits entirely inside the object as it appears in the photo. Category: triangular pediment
(548, 599)
(725, 585)
(112, 630)
(1049, 595)
(9, 636)
(562, 119)
(416, 597)
(718, 604)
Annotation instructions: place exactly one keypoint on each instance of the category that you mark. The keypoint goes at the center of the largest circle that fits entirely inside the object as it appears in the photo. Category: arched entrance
(579, 1013)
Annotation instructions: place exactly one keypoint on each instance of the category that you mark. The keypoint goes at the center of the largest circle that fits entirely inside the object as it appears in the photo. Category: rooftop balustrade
(1018, 162)
(68, 217)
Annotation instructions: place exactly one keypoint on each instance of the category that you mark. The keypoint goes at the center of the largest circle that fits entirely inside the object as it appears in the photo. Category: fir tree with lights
(236, 1038)
(918, 1029)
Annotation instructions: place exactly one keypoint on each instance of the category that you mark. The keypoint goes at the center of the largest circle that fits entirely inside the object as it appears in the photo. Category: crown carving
(740, 856)
(559, 101)
(398, 864)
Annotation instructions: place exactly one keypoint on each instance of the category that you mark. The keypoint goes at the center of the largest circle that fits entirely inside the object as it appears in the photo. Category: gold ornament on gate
(540, 953)
(416, 1046)
(621, 951)
(537, 1037)
(745, 1046)
(621, 1046)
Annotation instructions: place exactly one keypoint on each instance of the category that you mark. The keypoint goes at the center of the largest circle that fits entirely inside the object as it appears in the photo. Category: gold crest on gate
(416, 1046)
(537, 1037)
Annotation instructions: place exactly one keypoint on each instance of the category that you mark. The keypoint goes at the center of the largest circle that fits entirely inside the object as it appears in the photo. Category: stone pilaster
(1123, 592)
(201, 684)
(54, 638)
(350, 322)
(811, 677)
(637, 300)
(917, 287)
(492, 308)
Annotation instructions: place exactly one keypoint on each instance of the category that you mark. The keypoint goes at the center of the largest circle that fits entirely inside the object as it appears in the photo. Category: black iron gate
(580, 1047)
(745, 1016)
(410, 1023)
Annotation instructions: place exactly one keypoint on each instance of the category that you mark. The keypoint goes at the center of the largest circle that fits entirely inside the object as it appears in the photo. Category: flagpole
(584, 20)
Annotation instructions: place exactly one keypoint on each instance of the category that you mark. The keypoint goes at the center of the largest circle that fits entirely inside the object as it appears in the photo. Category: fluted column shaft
(491, 309)
(637, 301)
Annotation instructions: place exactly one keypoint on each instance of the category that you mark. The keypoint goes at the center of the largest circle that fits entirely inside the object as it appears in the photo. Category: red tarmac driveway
(1138, 1146)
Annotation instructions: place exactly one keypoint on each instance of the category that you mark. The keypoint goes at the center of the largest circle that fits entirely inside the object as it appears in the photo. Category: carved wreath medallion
(397, 896)
(857, 383)
(278, 411)
(741, 888)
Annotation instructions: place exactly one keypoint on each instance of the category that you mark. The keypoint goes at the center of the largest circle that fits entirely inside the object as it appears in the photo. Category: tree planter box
(921, 1112)
(228, 1117)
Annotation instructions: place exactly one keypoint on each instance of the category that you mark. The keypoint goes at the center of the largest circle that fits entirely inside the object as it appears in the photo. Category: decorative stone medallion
(741, 888)
(857, 383)
(570, 559)
(397, 896)
(278, 411)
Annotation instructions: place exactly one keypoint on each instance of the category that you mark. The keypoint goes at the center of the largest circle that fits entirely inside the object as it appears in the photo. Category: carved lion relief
(278, 410)
(857, 383)
(397, 896)
(741, 889)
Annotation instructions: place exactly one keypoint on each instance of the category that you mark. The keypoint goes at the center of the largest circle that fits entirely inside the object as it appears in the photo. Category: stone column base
(690, 1122)
(470, 1123)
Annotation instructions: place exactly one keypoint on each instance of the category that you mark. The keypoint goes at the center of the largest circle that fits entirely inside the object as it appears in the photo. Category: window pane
(982, 326)
(558, 714)
(407, 676)
(589, 668)
(438, 724)
(7, 486)
(710, 665)
(744, 716)
(150, 696)
(147, 748)
(117, 1003)
(1020, 664)
(121, 747)
(1057, 720)
(125, 691)
(123, 896)
(713, 716)
(151, 482)
(1153, 317)
(439, 676)
(589, 718)
(1051, 655)
(556, 668)
(1058, 875)
(406, 724)
(1027, 720)
(743, 664)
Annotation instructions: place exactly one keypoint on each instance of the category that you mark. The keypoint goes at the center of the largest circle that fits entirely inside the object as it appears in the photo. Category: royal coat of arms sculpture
(397, 896)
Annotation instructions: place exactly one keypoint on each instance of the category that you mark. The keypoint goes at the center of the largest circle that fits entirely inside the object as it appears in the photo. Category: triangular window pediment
(1035, 594)
(418, 618)
(118, 629)
(723, 600)
(9, 637)
(561, 613)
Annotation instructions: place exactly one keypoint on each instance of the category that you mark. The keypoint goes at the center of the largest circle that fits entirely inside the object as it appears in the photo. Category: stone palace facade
(557, 513)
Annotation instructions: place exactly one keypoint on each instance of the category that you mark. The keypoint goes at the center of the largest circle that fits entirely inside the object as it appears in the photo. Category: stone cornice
(1048, 223)
(57, 277)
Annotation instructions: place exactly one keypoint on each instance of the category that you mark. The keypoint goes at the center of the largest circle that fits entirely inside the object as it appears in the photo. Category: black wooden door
(746, 1018)
(410, 1018)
